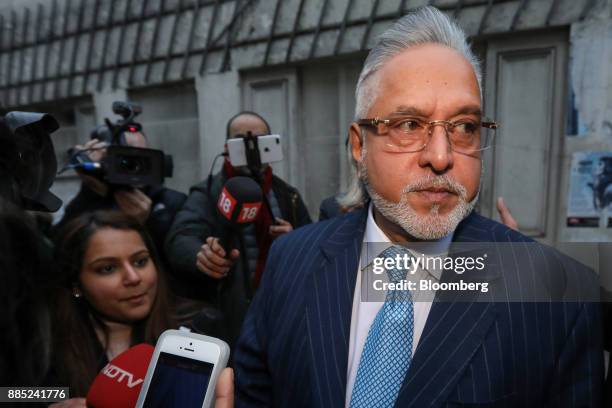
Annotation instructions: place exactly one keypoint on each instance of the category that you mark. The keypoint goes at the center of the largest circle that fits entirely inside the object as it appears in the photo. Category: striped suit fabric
(293, 349)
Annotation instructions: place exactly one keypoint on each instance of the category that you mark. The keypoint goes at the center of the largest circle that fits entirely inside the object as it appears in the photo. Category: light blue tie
(387, 352)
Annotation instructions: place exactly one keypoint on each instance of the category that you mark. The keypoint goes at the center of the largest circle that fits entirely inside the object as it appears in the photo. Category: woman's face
(118, 277)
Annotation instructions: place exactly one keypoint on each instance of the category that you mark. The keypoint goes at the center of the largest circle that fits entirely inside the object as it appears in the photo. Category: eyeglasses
(408, 134)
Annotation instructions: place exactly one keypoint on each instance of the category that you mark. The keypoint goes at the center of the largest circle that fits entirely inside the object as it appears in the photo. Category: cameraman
(208, 273)
(155, 207)
(27, 171)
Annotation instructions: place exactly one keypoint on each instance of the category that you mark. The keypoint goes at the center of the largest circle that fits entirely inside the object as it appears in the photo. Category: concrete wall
(80, 47)
(170, 121)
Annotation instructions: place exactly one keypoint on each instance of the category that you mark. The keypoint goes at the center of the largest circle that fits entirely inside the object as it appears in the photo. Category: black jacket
(329, 208)
(198, 220)
(165, 203)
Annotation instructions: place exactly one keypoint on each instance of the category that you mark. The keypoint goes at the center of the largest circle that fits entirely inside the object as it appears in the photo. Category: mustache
(436, 182)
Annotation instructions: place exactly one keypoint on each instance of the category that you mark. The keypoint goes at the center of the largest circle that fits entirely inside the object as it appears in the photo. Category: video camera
(27, 160)
(123, 165)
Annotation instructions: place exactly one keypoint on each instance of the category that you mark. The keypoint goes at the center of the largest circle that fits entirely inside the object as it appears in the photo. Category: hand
(224, 392)
(81, 402)
(97, 186)
(96, 150)
(506, 215)
(283, 228)
(134, 203)
(211, 259)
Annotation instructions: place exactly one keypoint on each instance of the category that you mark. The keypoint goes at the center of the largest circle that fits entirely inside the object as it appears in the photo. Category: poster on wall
(590, 191)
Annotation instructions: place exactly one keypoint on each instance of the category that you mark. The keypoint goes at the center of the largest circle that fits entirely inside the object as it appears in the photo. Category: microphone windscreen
(120, 381)
(240, 201)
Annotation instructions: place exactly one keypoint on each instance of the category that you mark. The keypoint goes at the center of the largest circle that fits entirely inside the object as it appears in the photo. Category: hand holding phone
(184, 371)
(224, 394)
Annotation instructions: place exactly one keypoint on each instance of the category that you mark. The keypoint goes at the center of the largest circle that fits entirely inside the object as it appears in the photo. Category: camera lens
(131, 165)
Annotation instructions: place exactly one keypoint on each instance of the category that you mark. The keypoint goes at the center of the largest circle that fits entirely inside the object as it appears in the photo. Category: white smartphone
(183, 371)
(270, 150)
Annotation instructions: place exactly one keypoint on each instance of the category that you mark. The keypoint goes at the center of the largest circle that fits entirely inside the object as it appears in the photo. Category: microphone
(239, 204)
(120, 381)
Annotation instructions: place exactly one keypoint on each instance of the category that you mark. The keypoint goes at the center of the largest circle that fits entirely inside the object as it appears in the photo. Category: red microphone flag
(120, 381)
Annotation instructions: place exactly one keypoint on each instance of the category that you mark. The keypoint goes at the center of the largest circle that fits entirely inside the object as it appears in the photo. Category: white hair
(425, 25)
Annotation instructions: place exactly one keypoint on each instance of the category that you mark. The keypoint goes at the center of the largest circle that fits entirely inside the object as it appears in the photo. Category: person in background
(111, 295)
(193, 248)
(329, 208)
(26, 269)
(154, 207)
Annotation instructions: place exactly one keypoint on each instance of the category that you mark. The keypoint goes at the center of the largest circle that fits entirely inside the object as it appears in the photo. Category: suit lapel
(329, 308)
(452, 334)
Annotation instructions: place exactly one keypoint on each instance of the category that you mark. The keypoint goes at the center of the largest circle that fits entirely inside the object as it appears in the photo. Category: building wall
(68, 48)
(170, 121)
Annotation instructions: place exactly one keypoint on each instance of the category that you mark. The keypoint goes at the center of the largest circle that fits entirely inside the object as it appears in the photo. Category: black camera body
(134, 166)
(124, 165)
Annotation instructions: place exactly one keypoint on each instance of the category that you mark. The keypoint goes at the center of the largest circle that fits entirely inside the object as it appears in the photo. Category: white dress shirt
(364, 313)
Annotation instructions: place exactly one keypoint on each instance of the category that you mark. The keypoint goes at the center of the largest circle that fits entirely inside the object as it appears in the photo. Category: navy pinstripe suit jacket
(293, 350)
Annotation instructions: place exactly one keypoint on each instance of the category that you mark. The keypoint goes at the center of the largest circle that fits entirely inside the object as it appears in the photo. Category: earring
(76, 293)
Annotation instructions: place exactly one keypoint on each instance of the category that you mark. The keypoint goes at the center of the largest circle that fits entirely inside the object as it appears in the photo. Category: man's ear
(355, 141)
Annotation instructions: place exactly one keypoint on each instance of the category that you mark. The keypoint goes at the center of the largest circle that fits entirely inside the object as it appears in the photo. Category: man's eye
(409, 125)
(468, 128)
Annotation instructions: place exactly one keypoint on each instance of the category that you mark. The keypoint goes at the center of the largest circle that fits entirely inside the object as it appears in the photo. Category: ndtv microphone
(239, 204)
(120, 381)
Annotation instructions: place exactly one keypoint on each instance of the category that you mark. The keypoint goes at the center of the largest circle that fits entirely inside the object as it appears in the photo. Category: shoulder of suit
(318, 232)
(492, 230)
(542, 257)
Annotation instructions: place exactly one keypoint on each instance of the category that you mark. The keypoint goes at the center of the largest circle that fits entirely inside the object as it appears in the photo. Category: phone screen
(178, 382)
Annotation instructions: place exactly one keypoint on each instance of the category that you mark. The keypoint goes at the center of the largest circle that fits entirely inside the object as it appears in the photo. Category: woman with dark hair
(112, 295)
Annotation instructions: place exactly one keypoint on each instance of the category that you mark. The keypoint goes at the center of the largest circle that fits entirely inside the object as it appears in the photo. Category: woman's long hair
(77, 348)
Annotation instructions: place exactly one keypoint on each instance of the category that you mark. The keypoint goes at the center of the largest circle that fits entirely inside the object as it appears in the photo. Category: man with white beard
(311, 338)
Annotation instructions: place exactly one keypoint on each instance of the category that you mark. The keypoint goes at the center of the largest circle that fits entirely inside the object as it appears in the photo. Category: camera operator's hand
(281, 228)
(211, 259)
(95, 149)
(134, 203)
